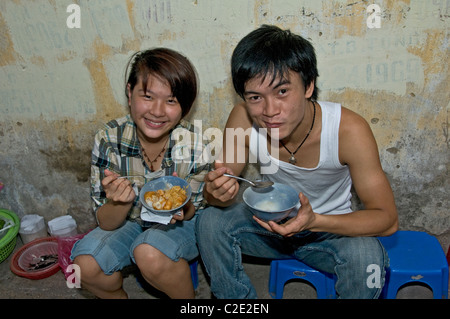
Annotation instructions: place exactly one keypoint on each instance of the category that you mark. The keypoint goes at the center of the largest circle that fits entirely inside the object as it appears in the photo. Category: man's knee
(366, 260)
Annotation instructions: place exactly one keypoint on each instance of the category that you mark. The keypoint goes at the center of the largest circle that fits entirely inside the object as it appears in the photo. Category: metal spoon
(127, 176)
(256, 184)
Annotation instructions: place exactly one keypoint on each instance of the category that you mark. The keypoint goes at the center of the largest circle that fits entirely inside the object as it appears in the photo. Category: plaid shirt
(118, 149)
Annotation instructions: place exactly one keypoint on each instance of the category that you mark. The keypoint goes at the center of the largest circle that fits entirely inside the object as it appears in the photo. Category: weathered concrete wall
(58, 84)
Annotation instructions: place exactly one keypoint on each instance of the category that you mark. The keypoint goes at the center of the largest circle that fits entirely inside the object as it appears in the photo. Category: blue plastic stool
(415, 257)
(282, 270)
(194, 273)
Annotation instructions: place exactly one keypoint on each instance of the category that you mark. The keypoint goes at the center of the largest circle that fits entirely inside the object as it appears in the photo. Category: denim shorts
(113, 250)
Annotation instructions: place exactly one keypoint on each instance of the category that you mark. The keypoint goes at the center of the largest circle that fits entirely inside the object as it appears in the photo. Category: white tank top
(327, 185)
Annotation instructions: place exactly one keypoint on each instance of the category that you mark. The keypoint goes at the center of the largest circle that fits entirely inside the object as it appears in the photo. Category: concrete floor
(54, 287)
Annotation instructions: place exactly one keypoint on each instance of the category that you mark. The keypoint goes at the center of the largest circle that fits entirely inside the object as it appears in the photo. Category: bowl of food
(165, 195)
(272, 203)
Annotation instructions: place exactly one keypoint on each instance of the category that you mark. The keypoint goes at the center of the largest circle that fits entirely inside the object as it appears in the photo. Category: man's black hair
(271, 50)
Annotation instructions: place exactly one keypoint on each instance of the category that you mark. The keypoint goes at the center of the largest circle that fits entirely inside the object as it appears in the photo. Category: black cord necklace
(292, 159)
(156, 158)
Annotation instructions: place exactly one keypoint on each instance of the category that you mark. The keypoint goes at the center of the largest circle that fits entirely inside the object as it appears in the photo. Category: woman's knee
(150, 261)
(89, 267)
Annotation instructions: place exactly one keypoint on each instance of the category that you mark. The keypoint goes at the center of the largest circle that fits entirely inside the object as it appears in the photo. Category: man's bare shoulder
(239, 117)
(355, 138)
(353, 123)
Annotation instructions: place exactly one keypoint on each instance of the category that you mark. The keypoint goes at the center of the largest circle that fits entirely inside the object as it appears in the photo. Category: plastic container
(32, 227)
(62, 226)
(38, 247)
(8, 241)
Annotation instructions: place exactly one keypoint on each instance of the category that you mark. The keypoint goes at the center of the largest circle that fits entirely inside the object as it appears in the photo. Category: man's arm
(220, 190)
(358, 149)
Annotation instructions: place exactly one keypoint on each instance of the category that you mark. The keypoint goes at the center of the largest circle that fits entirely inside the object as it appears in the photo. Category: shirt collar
(133, 147)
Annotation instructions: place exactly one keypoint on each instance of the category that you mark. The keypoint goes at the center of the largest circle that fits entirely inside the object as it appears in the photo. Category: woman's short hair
(168, 65)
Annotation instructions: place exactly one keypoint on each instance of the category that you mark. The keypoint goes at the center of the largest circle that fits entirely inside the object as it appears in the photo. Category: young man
(322, 149)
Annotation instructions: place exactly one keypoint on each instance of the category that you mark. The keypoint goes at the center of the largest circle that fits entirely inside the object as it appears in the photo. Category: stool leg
(194, 273)
(273, 279)
(331, 289)
(279, 290)
(391, 291)
(445, 275)
(321, 291)
(276, 280)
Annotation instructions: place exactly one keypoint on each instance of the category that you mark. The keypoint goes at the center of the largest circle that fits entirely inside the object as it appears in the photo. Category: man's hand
(221, 187)
(302, 221)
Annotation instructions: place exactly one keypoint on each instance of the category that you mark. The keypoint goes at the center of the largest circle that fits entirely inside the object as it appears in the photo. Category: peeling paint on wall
(59, 84)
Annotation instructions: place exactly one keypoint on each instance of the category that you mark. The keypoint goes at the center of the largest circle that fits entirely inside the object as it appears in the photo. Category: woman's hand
(120, 195)
(118, 191)
(186, 213)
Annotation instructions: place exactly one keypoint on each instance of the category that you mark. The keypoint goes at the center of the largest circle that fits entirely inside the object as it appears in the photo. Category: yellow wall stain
(107, 106)
(66, 56)
(434, 61)
(37, 60)
(7, 53)
(348, 18)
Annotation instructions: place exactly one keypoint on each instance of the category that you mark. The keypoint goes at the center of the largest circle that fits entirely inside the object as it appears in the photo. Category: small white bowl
(272, 203)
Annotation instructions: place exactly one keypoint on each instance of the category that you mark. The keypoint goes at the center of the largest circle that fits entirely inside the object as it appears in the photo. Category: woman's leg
(162, 253)
(171, 277)
(94, 279)
(101, 255)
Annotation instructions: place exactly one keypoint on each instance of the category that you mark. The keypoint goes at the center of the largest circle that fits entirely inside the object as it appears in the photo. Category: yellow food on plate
(166, 199)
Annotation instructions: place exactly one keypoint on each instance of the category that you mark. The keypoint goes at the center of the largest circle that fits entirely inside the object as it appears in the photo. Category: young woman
(161, 89)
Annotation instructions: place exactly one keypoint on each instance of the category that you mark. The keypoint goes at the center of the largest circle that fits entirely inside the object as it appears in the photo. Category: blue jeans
(113, 250)
(223, 235)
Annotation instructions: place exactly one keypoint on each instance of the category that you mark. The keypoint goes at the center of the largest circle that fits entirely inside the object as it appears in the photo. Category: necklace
(292, 159)
(156, 158)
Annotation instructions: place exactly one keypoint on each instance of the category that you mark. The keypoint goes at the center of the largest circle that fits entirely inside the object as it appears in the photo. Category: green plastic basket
(8, 241)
